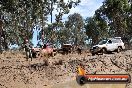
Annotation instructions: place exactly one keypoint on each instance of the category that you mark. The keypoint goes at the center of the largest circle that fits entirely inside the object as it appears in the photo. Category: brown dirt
(16, 72)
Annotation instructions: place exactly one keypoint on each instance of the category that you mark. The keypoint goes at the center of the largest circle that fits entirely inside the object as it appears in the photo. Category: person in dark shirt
(28, 50)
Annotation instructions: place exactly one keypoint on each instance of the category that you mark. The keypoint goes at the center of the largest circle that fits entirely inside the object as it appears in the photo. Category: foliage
(112, 19)
(75, 25)
(115, 13)
(21, 16)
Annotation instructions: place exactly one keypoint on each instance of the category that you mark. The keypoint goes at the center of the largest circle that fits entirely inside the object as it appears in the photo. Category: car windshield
(38, 47)
(102, 42)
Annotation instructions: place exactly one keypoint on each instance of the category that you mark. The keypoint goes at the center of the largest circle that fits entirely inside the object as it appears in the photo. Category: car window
(109, 41)
(116, 40)
(102, 42)
(38, 46)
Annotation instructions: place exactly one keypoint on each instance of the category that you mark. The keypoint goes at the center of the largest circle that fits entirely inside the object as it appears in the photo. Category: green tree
(115, 12)
(91, 29)
(62, 8)
(20, 16)
(75, 25)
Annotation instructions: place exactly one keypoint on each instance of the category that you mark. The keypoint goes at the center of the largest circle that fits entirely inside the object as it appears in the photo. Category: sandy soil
(16, 72)
(73, 84)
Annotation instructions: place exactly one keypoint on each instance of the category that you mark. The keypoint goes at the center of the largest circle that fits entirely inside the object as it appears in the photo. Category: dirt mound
(16, 72)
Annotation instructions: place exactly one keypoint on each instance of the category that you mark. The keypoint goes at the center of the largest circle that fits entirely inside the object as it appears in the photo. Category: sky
(86, 8)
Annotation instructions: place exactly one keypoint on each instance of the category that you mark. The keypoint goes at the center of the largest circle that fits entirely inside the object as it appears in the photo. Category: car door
(110, 46)
(116, 43)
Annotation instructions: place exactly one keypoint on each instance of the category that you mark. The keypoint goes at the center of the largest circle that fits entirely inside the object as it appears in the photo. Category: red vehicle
(48, 50)
(43, 50)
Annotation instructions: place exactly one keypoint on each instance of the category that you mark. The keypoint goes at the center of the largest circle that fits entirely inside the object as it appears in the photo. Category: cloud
(86, 8)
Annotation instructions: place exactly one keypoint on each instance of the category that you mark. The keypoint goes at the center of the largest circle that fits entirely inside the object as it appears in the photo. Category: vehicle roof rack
(118, 37)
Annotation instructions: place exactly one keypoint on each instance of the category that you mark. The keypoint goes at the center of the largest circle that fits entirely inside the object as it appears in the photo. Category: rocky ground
(16, 72)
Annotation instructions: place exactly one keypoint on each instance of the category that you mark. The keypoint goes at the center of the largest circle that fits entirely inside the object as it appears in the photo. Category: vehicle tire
(103, 51)
(119, 49)
(34, 55)
(51, 54)
(54, 53)
(37, 54)
(81, 80)
(93, 54)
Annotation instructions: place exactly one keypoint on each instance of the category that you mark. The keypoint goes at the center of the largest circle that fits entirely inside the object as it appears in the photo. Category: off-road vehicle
(35, 51)
(65, 49)
(108, 45)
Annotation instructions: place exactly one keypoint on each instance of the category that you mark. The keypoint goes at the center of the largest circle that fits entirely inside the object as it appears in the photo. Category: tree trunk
(1, 36)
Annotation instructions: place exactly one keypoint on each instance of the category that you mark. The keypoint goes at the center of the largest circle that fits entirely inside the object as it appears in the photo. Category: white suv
(108, 45)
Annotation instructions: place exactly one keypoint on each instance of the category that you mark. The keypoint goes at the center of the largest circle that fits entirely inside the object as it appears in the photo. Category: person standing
(28, 49)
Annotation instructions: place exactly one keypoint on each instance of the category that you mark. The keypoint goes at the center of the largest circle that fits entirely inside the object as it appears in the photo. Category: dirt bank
(16, 72)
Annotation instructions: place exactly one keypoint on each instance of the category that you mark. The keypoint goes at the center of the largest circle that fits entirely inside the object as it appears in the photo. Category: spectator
(28, 48)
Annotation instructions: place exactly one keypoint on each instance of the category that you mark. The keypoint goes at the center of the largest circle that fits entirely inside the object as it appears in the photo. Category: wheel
(51, 54)
(37, 54)
(93, 54)
(54, 53)
(81, 80)
(119, 49)
(34, 55)
(103, 51)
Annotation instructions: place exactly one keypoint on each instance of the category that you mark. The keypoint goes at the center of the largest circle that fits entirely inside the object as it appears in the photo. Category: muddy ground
(17, 72)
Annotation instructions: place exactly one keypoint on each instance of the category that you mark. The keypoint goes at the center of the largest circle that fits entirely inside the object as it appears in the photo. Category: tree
(115, 12)
(62, 8)
(75, 25)
(20, 16)
(1, 36)
(129, 19)
(91, 29)
(112, 19)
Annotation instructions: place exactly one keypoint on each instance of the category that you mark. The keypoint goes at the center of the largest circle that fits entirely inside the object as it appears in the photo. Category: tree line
(18, 18)
(113, 18)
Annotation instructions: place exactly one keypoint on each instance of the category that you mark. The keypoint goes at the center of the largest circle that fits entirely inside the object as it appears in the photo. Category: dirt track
(16, 72)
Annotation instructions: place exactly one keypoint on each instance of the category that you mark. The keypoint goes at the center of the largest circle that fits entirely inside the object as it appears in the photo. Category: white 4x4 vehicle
(108, 45)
